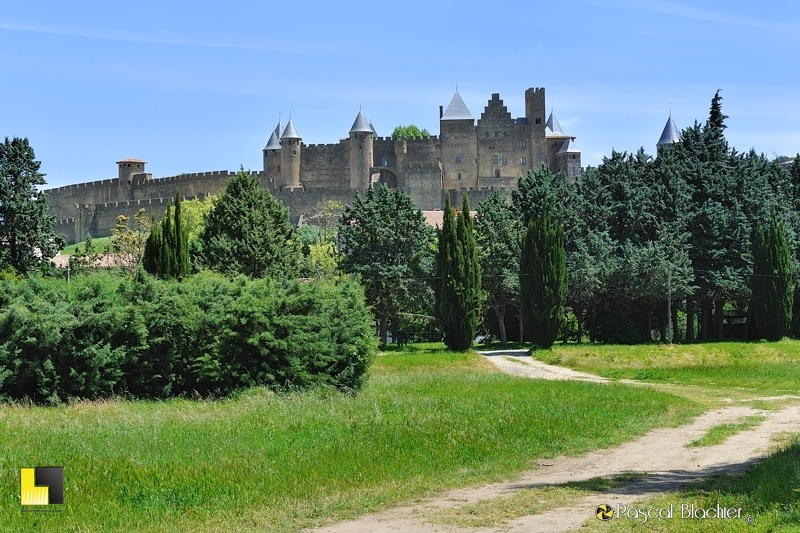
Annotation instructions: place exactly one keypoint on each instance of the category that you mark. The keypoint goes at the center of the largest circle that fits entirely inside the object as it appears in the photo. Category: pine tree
(27, 239)
(715, 116)
(772, 283)
(543, 278)
(248, 232)
(458, 279)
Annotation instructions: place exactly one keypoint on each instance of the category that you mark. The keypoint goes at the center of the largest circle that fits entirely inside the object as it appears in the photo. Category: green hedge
(101, 335)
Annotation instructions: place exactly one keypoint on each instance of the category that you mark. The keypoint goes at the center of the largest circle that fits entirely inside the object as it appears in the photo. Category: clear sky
(198, 86)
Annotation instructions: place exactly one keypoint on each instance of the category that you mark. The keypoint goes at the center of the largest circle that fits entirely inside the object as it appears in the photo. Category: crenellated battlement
(465, 154)
(329, 146)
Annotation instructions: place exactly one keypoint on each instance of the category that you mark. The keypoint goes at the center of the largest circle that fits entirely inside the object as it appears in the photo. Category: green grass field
(708, 373)
(100, 245)
(709, 370)
(426, 420)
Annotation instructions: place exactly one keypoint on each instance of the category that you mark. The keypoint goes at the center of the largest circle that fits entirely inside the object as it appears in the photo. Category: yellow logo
(604, 512)
(43, 485)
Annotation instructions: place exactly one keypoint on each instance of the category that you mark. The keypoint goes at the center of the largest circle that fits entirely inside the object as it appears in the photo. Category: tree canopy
(248, 232)
(410, 132)
(383, 238)
(27, 238)
(458, 279)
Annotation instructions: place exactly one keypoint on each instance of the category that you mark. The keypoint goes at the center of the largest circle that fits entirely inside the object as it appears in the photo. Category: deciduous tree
(384, 239)
(498, 234)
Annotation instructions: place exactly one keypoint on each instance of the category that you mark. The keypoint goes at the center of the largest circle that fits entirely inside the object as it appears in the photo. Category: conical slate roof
(360, 125)
(278, 130)
(553, 128)
(457, 110)
(670, 134)
(290, 132)
(375, 133)
(274, 143)
(569, 148)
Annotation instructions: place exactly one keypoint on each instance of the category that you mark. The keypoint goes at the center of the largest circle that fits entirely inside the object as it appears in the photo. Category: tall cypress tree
(166, 252)
(543, 278)
(182, 265)
(458, 279)
(772, 283)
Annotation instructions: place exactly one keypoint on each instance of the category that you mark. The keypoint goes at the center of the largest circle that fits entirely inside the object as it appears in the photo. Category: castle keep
(467, 155)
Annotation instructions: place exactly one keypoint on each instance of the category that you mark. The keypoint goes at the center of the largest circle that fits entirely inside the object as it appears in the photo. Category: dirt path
(660, 453)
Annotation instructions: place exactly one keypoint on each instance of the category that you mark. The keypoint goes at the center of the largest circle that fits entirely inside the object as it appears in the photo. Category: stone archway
(382, 175)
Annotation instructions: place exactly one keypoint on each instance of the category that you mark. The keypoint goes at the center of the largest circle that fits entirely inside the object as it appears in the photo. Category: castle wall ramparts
(468, 155)
(62, 200)
(325, 165)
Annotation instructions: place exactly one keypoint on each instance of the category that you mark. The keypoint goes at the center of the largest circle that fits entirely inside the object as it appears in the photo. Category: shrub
(101, 335)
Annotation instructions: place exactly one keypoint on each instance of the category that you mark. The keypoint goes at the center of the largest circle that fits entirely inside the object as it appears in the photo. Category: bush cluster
(101, 335)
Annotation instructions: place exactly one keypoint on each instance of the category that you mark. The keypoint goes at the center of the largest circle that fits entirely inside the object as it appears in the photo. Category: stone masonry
(467, 156)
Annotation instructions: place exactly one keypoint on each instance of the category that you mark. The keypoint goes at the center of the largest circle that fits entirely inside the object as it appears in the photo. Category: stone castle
(467, 155)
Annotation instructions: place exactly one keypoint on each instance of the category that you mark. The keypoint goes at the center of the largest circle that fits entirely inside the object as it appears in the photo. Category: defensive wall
(467, 156)
(98, 219)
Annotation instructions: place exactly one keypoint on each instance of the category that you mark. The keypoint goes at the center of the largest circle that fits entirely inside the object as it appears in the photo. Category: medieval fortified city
(467, 155)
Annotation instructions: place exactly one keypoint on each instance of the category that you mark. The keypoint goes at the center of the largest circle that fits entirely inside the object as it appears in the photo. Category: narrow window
(459, 175)
(487, 134)
(521, 160)
(384, 161)
(522, 143)
(538, 120)
(458, 160)
(497, 173)
(294, 152)
(505, 160)
(495, 160)
(279, 168)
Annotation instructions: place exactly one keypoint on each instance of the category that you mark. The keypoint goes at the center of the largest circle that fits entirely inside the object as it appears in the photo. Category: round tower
(290, 157)
(361, 136)
(272, 158)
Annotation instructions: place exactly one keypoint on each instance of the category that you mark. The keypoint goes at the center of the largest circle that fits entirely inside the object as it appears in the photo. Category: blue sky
(194, 86)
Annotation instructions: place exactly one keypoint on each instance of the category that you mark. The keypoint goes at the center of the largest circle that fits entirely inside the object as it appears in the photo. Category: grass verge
(426, 421)
(719, 434)
(769, 492)
(737, 370)
(523, 502)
